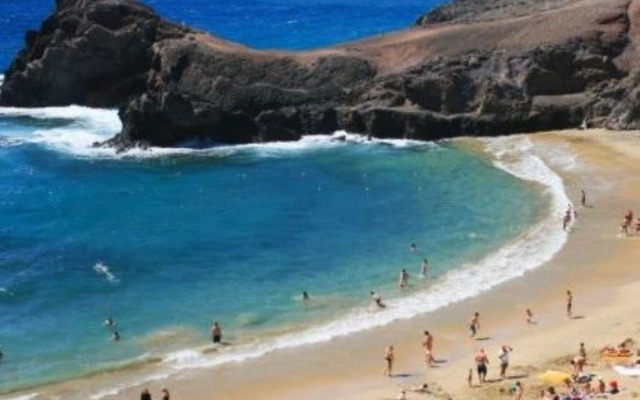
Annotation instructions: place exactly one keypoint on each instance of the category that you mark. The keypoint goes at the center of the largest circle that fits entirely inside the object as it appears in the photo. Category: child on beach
(517, 390)
(474, 324)
(388, 358)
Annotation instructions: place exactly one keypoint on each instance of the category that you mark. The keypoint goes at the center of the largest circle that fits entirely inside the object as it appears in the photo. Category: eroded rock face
(95, 53)
(175, 85)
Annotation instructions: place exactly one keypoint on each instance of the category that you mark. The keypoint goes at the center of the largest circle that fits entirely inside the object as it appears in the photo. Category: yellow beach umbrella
(554, 377)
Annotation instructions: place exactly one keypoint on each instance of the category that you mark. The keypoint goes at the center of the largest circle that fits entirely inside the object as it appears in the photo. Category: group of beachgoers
(579, 385)
(146, 394)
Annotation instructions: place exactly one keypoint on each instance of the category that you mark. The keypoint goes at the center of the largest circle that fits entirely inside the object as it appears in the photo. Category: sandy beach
(597, 264)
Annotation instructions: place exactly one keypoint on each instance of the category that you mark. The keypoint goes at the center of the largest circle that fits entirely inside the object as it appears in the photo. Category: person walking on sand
(474, 324)
(569, 304)
(481, 361)
(425, 267)
(388, 359)
(566, 220)
(427, 344)
(503, 356)
(583, 198)
(529, 316)
(216, 333)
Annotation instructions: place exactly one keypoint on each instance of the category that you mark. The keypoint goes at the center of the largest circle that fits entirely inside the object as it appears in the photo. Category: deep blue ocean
(167, 241)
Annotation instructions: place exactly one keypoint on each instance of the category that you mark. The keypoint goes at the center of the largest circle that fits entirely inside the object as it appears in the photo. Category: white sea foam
(29, 396)
(87, 126)
(104, 271)
(84, 127)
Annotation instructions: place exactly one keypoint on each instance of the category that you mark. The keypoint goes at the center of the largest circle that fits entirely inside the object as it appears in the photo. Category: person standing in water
(216, 333)
(425, 267)
(414, 247)
(305, 296)
(403, 281)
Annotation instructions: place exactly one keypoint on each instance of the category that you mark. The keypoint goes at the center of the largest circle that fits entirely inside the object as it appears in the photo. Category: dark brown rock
(175, 85)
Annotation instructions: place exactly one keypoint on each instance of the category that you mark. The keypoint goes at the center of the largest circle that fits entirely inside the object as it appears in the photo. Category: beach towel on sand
(627, 371)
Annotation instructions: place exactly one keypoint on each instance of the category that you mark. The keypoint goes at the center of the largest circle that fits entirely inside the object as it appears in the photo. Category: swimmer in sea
(414, 247)
(109, 322)
(116, 336)
(1, 353)
(377, 300)
(305, 296)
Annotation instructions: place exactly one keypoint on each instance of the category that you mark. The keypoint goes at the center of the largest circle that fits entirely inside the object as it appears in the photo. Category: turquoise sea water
(169, 240)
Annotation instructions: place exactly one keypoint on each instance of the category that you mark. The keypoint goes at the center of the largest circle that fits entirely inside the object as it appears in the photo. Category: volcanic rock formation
(472, 67)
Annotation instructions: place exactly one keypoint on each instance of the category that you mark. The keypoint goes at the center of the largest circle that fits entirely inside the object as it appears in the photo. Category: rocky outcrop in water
(506, 67)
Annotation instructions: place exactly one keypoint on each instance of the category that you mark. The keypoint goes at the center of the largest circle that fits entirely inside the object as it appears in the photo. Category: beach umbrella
(554, 377)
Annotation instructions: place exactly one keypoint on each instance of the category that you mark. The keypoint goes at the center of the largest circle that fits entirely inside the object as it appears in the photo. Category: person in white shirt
(503, 356)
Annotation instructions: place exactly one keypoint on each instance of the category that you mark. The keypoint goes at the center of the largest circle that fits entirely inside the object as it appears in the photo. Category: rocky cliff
(507, 66)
